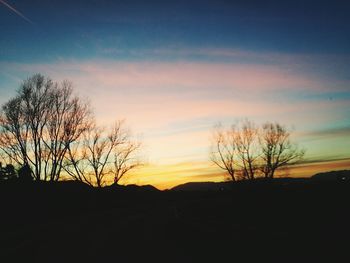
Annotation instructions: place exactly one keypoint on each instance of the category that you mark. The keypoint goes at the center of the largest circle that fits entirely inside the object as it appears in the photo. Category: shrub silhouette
(25, 174)
(8, 172)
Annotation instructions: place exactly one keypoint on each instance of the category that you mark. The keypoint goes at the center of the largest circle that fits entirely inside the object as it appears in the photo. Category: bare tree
(39, 124)
(103, 156)
(277, 149)
(75, 164)
(68, 118)
(223, 150)
(246, 141)
(14, 132)
(125, 159)
(246, 152)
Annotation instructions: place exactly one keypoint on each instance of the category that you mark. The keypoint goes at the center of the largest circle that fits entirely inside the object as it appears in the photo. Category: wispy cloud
(16, 11)
(330, 132)
(322, 65)
(180, 76)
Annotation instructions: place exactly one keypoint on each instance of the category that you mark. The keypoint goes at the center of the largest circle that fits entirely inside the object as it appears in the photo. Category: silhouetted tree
(245, 152)
(246, 141)
(39, 124)
(68, 119)
(125, 158)
(223, 150)
(277, 149)
(102, 156)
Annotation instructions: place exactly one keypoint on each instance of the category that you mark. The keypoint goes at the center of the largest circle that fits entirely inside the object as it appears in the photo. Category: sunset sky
(174, 69)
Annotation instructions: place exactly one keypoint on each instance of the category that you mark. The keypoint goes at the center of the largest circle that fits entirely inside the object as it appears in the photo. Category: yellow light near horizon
(309, 169)
(167, 176)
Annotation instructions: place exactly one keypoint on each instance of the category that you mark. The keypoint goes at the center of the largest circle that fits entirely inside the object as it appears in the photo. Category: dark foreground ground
(301, 221)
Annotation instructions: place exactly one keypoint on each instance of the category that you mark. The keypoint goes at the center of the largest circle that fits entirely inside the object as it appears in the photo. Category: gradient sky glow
(173, 70)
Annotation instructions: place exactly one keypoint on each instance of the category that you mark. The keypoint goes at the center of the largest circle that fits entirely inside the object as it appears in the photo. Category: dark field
(281, 221)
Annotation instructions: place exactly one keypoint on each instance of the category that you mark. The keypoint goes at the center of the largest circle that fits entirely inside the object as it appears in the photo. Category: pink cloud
(179, 88)
(159, 76)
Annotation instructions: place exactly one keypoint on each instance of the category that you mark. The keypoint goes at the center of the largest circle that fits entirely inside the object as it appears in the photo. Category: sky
(174, 69)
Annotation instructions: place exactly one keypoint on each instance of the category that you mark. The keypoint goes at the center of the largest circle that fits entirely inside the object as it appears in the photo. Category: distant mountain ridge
(202, 186)
(342, 175)
(223, 186)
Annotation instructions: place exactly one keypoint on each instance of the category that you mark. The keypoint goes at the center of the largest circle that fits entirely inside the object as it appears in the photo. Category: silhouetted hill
(225, 186)
(203, 186)
(133, 188)
(343, 175)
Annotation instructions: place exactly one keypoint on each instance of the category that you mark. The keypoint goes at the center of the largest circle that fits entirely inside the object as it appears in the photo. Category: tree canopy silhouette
(39, 123)
(49, 131)
(246, 151)
(277, 149)
(223, 151)
(103, 156)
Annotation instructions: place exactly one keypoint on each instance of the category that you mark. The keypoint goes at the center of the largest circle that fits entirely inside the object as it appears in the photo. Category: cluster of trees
(246, 151)
(52, 132)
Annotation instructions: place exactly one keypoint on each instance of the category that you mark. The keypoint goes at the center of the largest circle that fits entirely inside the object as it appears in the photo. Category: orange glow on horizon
(168, 176)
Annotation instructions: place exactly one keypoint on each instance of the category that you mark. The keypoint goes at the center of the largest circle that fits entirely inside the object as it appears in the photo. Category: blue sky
(83, 29)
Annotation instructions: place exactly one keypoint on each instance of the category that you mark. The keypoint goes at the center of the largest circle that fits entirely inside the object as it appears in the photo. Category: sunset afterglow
(174, 71)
